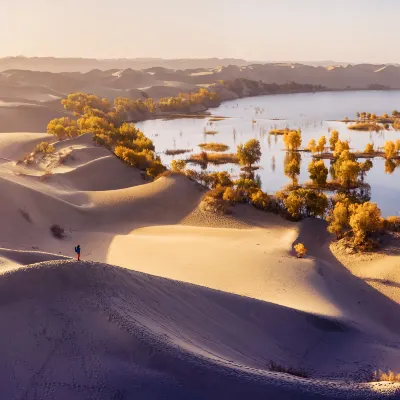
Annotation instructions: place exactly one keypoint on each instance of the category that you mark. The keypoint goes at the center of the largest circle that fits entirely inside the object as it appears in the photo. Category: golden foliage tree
(292, 140)
(390, 149)
(347, 172)
(369, 148)
(338, 219)
(321, 144)
(63, 128)
(312, 146)
(364, 219)
(318, 172)
(249, 153)
(341, 146)
(292, 167)
(333, 139)
(178, 165)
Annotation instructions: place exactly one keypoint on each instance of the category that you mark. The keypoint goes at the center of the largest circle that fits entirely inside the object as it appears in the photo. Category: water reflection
(315, 114)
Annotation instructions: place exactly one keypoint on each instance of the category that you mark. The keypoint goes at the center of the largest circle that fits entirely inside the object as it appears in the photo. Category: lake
(313, 113)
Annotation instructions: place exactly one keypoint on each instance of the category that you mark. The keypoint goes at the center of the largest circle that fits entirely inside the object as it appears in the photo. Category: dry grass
(214, 158)
(214, 146)
(172, 152)
(388, 376)
(210, 132)
(275, 367)
(215, 119)
(365, 126)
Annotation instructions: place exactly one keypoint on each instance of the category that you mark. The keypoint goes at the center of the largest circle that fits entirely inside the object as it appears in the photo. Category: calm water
(313, 113)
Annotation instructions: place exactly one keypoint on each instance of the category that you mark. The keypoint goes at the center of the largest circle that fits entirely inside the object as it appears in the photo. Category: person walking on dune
(78, 252)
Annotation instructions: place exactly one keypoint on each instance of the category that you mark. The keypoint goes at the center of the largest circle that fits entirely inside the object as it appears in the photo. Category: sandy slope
(101, 331)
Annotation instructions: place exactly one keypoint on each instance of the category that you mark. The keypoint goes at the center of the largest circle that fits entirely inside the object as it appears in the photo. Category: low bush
(57, 231)
(300, 250)
(45, 148)
(213, 201)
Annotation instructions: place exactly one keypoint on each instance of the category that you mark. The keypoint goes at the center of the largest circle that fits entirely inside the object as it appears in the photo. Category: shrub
(213, 201)
(178, 165)
(300, 250)
(260, 200)
(232, 195)
(57, 231)
(44, 147)
(220, 179)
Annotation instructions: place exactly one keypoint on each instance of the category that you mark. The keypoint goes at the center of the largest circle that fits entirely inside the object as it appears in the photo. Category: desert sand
(171, 302)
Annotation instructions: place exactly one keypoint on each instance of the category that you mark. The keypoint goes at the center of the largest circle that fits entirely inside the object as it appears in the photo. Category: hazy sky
(265, 30)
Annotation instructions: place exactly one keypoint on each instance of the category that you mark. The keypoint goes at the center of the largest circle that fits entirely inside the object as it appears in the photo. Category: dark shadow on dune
(360, 301)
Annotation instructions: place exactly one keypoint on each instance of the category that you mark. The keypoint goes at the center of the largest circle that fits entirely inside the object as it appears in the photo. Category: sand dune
(88, 330)
(99, 332)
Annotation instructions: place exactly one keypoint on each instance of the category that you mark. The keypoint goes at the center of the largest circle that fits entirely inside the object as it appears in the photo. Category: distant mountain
(52, 64)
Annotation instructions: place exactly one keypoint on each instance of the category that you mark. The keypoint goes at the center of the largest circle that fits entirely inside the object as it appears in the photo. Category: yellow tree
(369, 148)
(312, 146)
(364, 219)
(347, 172)
(318, 172)
(321, 144)
(63, 128)
(338, 219)
(292, 170)
(249, 153)
(341, 146)
(292, 140)
(178, 165)
(390, 149)
(333, 139)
